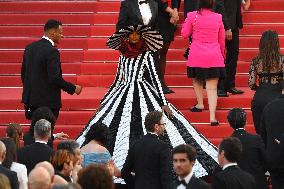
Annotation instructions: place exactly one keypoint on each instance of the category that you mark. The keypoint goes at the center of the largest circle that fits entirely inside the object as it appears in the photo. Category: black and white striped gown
(129, 99)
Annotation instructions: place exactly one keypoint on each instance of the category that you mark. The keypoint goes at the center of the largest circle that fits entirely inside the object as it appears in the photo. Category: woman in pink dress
(206, 55)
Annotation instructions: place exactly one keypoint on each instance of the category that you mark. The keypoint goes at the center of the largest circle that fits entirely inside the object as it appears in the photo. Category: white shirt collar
(240, 129)
(229, 165)
(48, 39)
(153, 134)
(40, 141)
(187, 178)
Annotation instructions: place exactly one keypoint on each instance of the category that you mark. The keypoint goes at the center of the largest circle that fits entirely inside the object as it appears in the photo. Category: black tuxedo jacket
(150, 159)
(194, 183)
(42, 76)
(129, 14)
(233, 14)
(272, 126)
(32, 154)
(12, 176)
(233, 178)
(253, 159)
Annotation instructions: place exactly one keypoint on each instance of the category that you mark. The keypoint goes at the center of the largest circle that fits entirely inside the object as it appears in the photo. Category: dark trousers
(161, 68)
(277, 179)
(232, 47)
(54, 111)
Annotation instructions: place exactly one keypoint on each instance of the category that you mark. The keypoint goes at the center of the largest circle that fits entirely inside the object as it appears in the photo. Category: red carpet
(86, 60)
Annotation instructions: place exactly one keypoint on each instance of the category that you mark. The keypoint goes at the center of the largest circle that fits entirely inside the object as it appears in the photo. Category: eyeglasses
(162, 124)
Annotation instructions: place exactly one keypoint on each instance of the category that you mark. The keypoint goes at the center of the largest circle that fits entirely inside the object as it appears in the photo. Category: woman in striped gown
(137, 91)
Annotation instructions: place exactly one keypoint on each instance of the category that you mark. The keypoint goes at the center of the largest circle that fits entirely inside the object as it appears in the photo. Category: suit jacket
(150, 159)
(271, 128)
(130, 15)
(41, 76)
(12, 176)
(233, 178)
(194, 183)
(233, 14)
(253, 159)
(32, 154)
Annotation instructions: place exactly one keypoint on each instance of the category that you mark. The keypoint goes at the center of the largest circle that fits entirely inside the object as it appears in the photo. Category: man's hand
(167, 110)
(61, 136)
(229, 34)
(174, 16)
(78, 89)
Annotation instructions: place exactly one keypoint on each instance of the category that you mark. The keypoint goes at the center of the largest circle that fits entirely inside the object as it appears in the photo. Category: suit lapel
(191, 182)
(154, 9)
(137, 10)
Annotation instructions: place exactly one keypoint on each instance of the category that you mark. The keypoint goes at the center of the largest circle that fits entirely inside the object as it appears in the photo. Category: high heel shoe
(214, 123)
(195, 109)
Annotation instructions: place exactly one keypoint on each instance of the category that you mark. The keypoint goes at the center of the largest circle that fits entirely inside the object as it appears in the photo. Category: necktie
(179, 182)
(141, 2)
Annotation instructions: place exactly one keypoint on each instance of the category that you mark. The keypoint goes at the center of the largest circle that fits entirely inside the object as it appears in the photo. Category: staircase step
(183, 99)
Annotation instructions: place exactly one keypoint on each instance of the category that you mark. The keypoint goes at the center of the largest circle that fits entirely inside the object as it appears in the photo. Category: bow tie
(141, 2)
(179, 182)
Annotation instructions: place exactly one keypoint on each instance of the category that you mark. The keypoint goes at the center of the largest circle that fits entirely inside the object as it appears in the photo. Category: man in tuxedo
(184, 157)
(149, 159)
(272, 126)
(253, 158)
(39, 151)
(41, 72)
(11, 175)
(231, 177)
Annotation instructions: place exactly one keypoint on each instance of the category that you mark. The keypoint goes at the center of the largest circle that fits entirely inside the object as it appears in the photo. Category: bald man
(39, 178)
(12, 176)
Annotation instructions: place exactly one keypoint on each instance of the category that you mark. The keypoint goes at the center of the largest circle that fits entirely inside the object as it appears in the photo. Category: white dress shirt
(22, 175)
(229, 165)
(145, 12)
(186, 179)
(48, 39)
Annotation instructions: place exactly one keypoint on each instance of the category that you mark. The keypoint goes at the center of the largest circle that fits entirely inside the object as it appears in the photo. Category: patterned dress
(135, 92)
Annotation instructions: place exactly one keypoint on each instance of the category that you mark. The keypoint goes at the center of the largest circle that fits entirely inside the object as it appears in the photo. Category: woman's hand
(168, 111)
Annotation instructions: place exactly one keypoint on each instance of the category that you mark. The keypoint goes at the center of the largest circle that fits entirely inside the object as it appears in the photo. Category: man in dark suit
(272, 126)
(253, 158)
(39, 151)
(41, 72)
(149, 158)
(11, 175)
(184, 157)
(231, 177)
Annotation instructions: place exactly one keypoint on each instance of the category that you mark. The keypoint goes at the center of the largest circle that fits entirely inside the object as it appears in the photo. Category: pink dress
(207, 49)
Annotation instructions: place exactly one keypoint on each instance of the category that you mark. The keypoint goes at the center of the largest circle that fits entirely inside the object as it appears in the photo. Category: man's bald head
(39, 178)
(2, 151)
(47, 166)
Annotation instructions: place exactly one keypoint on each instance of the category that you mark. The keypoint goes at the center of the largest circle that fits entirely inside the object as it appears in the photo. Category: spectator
(253, 158)
(149, 158)
(272, 126)
(73, 147)
(39, 178)
(95, 150)
(39, 151)
(231, 177)
(11, 175)
(4, 182)
(95, 177)
(43, 113)
(14, 131)
(184, 157)
(266, 75)
(62, 162)
(55, 179)
(206, 55)
(10, 162)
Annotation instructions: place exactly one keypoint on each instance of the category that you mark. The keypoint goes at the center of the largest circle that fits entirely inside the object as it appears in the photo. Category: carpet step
(183, 99)
(108, 68)
(108, 55)
(100, 43)
(83, 117)
(113, 6)
(107, 80)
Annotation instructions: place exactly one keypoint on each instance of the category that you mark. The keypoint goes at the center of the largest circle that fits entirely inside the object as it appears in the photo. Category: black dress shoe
(222, 93)
(214, 123)
(167, 90)
(234, 91)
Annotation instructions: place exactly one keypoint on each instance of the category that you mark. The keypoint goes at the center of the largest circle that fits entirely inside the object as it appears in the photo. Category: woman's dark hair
(42, 113)
(269, 50)
(151, 119)
(11, 152)
(205, 4)
(15, 132)
(237, 118)
(98, 132)
(52, 24)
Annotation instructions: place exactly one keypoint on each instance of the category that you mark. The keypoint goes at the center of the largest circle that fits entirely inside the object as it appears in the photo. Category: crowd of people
(136, 138)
